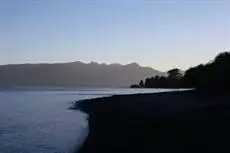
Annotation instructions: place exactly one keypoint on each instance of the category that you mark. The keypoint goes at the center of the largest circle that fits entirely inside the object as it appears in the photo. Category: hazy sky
(162, 34)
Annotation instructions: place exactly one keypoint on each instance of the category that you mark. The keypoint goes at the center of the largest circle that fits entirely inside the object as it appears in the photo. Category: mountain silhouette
(75, 74)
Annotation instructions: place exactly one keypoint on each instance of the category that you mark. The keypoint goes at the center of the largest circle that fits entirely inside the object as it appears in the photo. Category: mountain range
(75, 74)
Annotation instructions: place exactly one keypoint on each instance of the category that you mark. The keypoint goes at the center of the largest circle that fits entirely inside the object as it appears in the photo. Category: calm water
(39, 121)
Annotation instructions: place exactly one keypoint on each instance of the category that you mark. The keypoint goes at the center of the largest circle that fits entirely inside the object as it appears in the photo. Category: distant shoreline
(183, 121)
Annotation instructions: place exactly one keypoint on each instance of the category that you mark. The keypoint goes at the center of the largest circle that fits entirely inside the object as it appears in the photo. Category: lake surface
(40, 121)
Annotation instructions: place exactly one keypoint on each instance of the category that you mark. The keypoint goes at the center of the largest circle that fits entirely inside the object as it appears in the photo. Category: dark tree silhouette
(213, 75)
(174, 73)
(141, 84)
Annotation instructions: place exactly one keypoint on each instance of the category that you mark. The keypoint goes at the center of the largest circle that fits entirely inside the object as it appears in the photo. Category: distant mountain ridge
(74, 74)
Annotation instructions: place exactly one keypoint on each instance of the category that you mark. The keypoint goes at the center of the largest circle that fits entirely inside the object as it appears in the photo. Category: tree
(223, 58)
(141, 84)
(213, 75)
(157, 77)
(174, 73)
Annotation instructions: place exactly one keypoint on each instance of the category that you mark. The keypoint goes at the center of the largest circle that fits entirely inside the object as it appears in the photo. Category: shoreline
(182, 121)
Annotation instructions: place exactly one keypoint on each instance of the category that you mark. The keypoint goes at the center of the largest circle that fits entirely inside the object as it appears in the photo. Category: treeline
(213, 75)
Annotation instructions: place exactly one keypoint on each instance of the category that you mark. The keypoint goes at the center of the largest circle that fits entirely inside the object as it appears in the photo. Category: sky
(161, 34)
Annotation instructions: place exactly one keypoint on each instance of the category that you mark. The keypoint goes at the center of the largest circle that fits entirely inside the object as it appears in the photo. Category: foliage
(174, 73)
(213, 75)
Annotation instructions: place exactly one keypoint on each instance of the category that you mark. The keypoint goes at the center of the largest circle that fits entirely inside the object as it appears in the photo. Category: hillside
(73, 74)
